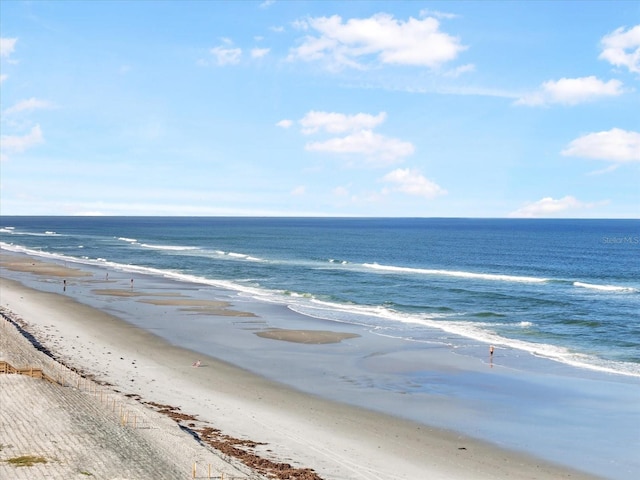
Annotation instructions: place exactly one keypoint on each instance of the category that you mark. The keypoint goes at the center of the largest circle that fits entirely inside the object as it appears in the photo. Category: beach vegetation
(26, 460)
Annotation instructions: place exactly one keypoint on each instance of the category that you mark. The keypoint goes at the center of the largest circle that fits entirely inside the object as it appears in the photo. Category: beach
(313, 435)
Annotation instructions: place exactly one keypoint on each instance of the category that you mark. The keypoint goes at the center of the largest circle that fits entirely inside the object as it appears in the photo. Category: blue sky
(283, 108)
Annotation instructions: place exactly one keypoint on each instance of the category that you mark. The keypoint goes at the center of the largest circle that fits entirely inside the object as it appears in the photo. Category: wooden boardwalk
(6, 367)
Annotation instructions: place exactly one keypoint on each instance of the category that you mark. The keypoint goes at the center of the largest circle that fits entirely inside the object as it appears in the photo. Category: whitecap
(456, 273)
(176, 248)
(605, 288)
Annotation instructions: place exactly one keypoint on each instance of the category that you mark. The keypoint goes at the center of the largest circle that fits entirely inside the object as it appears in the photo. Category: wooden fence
(6, 367)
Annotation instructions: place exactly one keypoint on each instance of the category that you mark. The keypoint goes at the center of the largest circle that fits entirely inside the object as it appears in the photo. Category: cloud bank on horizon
(320, 108)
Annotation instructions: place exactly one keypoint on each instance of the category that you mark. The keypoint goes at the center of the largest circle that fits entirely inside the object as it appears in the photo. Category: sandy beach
(269, 424)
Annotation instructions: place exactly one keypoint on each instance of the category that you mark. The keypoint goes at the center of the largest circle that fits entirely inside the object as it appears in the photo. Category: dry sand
(74, 427)
(276, 423)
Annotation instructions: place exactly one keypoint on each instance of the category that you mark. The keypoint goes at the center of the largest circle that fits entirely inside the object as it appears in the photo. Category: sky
(320, 108)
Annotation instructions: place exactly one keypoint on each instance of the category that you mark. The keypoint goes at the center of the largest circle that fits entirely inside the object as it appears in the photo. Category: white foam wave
(38, 253)
(242, 256)
(7, 230)
(197, 251)
(456, 273)
(34, 234)
(482, 332)
(551, 352)
(102, 262)
(606, 288)
(173, 248)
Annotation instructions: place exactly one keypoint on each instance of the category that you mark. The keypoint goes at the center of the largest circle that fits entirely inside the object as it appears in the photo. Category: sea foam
(455, 273)
(606, 288)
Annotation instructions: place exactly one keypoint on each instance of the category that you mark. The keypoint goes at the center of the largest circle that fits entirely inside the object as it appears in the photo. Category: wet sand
(21, 263)
(314, 337)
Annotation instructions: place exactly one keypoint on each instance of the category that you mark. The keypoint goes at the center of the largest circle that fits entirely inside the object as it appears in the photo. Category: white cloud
(7, 46)
(615, 145)
(284, 123)
(360, 140)
(571, 91)
(390, 41)
(332, 122)
(548, 206)
(462, 69)
(18, 144)
(267, 3)
(226, 56)
(299, 191)
(27, 105)
(259, 52)
(377, 148)
(340, 192)
(412, 182)
(437, 14)
(622, 48)
(3, 77)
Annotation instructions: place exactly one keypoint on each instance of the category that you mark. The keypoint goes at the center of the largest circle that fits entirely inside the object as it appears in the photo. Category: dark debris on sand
(235, 447)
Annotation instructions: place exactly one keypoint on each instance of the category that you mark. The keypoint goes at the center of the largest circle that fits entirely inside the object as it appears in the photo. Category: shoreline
(337, 441)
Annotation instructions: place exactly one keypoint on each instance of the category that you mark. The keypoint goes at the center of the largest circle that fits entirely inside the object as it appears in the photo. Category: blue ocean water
(568, 290)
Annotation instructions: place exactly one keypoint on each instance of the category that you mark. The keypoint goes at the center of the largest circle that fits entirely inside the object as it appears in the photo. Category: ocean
(558, 297)
(568, 290)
